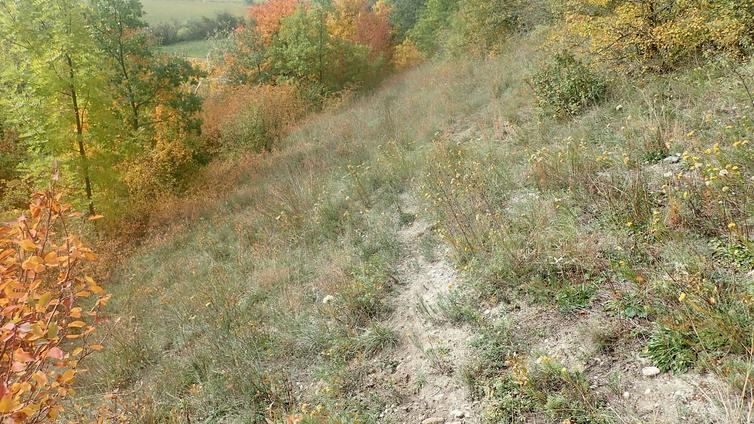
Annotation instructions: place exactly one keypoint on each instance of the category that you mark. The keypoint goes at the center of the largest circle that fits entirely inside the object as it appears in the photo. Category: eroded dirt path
(432, 352)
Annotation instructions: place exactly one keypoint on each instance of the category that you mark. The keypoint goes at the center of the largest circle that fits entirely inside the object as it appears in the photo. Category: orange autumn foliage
(373, 29)
(49, 306)
(250, 117)
(268, 16)
(362, 23)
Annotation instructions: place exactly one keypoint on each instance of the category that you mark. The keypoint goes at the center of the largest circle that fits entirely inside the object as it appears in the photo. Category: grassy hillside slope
(579, 266)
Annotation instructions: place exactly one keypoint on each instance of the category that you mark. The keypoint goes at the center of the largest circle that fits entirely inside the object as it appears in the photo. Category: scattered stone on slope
(457, 413)
(650, 371)
(672, 159)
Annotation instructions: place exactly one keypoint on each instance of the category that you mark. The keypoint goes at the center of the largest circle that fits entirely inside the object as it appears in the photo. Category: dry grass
(222, 315)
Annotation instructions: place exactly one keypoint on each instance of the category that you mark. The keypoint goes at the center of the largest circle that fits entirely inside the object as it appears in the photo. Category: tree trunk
(80, 135)
(127, 78)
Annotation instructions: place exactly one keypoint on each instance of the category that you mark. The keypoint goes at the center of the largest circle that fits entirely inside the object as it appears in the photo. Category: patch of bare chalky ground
(431, 353)
(424, 377)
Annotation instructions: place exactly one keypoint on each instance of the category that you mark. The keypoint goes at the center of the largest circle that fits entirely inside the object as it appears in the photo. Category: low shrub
(567, 87)
(250, 118)
(544, 388)
(670, 350)
(574, 297)
(49, 307)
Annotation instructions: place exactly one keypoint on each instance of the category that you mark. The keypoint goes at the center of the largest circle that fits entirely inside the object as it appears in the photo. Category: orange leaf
(77, 324)
(21, 388)
(31, 409)
(27, 245)
(83, 293)
(96, 217)
(54, 412)
(51, 259)
(40, 378)
(96, 289)
(34, 263)
(8, 404)
(5, 253)
(55, 353)
(67, 376)
(21, 355)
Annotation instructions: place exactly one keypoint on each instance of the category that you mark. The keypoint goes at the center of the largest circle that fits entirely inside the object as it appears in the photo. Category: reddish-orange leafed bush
(373, 29)
(251, 118)
(49, 306)
(268, 16)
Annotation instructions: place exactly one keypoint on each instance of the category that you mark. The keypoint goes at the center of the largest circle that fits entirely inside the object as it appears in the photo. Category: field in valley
(158, 11)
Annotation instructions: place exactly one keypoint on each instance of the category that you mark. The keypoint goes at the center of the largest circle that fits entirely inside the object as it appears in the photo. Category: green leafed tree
(245, 61)
(140, 78)
(83, 89)
(120, 32)
(12, 155)
(52, 83)
(431, 28)
(483, 26)
(300, 49)
(404, 14)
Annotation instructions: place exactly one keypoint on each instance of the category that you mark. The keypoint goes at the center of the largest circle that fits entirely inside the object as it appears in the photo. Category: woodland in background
(85, 90)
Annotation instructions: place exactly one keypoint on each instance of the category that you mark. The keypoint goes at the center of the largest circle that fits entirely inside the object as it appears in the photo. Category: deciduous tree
(659, 34)
(268, 16)
(52, 82)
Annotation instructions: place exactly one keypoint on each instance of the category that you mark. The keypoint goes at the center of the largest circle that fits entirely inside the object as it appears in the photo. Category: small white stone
(648, 391)
(328, 299)
(457, 413)
(650, 371)
(672, 159)
(626, 395)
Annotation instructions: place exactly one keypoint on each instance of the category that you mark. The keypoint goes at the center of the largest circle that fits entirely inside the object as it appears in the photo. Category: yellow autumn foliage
(659, 34)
